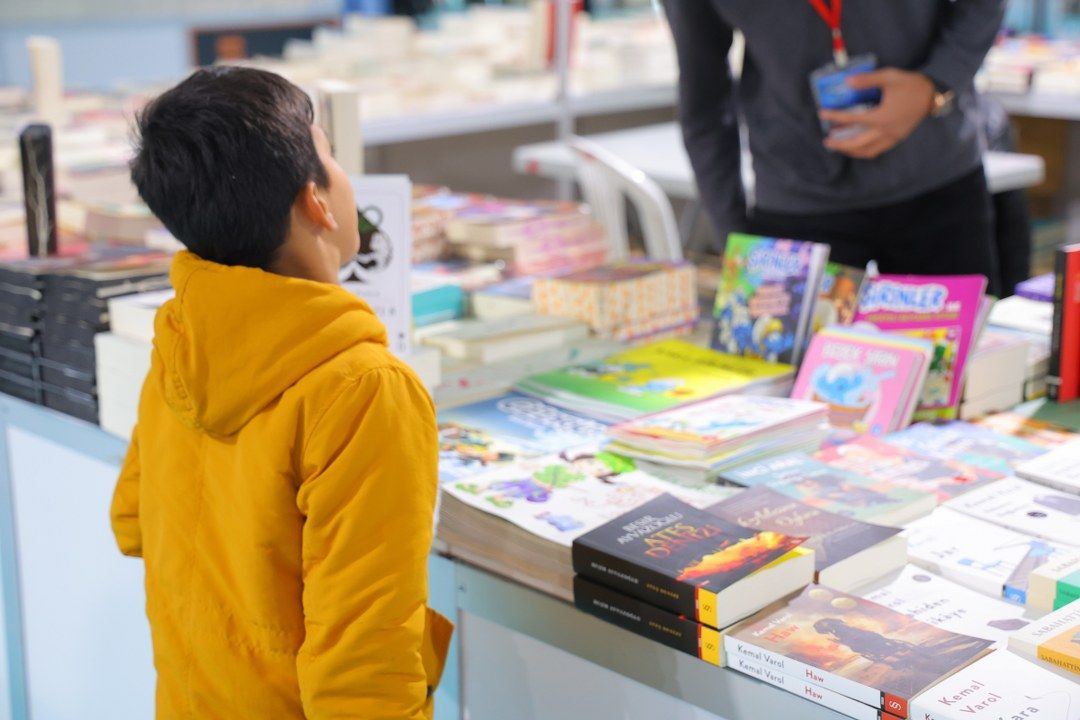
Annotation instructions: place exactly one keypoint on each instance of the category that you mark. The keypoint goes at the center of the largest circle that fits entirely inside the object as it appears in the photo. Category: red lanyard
(831, 13)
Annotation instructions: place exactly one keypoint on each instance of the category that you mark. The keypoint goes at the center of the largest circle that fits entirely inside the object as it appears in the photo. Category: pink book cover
(943, 309)
(864, 383)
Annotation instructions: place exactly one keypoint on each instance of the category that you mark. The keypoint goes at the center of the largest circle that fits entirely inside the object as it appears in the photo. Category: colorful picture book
(967, 443)
(847, 552)
(834, 489)
(766, 297)
(1059, 468)
(1025, 507)
(1055, 584)
(1037, 432)
(889, 463)
(653, 377)
(992, 560)
(679, 558)
(871, 381)
(941, 309)
(921, 594)
(1000, 686)
(838, 298)
(1054, 639)
(853, 647)
(491, 433)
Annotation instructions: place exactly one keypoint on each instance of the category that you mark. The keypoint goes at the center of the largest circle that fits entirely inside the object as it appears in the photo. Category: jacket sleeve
(964, 37)
(368, 497)
(124, 513)
(707, 108)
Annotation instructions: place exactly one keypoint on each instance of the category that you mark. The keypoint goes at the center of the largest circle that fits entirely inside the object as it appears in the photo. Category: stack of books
(506, 299)
(655, 377)
(1055, 584)
(534, 238)
(1053, 642)
(697, 442)
(766, 297)
(1033, 322)
(1058, 468)
(946, 310)
(871, 381)
(489, 341)
(432, 208)
(681, 566)
(628, 301)
(857, 657)
(997, 374)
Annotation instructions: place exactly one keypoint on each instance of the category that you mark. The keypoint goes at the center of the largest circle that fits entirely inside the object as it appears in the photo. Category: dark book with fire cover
(693, 563)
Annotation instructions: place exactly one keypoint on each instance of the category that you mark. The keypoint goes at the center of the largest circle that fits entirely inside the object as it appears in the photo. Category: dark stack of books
(51, 310)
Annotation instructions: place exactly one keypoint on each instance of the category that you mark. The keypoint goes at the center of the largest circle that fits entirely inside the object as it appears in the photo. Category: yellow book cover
(1063, 650)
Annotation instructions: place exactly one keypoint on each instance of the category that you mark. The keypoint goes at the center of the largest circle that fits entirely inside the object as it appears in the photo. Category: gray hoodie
(786, 40)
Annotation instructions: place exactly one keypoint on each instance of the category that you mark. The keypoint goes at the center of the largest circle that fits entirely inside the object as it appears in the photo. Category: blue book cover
(495, 432)
(967, 443)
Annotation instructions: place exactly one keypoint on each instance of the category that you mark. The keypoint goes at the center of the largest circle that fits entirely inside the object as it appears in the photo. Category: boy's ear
(315, 207)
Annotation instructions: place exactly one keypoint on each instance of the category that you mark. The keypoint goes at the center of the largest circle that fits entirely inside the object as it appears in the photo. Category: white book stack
(1059, 469)
(996, 374)
(1031, 321)
(492, 341)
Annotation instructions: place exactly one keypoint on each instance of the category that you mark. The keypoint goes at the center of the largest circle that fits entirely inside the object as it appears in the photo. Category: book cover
(676, 556)
(1037, 432)
(1063, 379)
(1040, 287)
(1054, 639)
(989, 559)
(867, 382)
(557, 498)
(833, 538)
(1059, 468)
(765, 298)
(1025, 507)
(477, 437)
(1057, 583)
(920, 594)
(941, 309)
(854, 647)
(970, 444)
(1000, 686)
(880, 460)
(832, 489)
(838, 299)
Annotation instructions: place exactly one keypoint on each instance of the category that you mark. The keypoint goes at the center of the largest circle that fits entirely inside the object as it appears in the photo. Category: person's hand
(906, 100)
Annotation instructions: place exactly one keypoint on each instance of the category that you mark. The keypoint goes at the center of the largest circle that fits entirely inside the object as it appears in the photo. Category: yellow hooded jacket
(280, 489)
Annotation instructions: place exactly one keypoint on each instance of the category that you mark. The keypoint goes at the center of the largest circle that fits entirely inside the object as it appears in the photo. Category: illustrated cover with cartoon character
(766, 296)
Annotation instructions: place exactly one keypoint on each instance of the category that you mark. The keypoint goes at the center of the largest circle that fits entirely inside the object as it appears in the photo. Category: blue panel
(443, 598)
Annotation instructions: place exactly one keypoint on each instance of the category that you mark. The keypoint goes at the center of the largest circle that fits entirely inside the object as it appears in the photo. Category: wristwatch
(944, 101)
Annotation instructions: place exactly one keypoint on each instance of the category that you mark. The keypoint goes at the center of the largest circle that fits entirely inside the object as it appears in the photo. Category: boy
(281, 481)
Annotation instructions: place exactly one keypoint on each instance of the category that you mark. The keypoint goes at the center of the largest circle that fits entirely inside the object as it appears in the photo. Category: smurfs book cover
(766, 296)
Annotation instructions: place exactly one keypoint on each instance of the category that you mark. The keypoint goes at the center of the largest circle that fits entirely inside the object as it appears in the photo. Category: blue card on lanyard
(831, 91)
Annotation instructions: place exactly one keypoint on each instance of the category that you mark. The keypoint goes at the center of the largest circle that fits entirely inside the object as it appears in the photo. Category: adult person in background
(901, 183)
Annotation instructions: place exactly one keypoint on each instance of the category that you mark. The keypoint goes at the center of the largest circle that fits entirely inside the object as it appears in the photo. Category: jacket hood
(235, 338)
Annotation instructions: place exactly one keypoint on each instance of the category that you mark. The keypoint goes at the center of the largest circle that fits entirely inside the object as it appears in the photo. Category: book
(491, 433)
(1037, 432)
(1054, 639)
(1000, 686)
(623, 300)
(979, 555)
(688, 561)
(719, 432)
(1025, 507)
(638, 616)
(558, 498)
(495, 340)
(1019, 313)
(557, 253)
(967, 443)
(939, 308)
(1059, 468)
(765, 300)
(870, 381)
(922, 595)
(510, 298)
(651, 378)
(847, 552)
(1054, 584)
(1063, 377)
(836, 490)
(467, 275)
(435, 300)
(506, 223)
(998, 362)
(838, 298)
(1040, 287)
(853, 647)
(132, 316)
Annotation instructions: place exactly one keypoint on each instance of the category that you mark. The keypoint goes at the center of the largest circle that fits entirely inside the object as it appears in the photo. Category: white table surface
(658, 151)
(1041, 105)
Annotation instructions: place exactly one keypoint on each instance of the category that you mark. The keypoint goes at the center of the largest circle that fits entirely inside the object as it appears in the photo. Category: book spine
(1053, 376)
(650, 622)
(644, 584)
(814, 693)
(1069, 349)
(736, 648)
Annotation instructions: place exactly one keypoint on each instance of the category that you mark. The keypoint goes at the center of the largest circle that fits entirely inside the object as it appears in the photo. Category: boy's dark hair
(220, 159)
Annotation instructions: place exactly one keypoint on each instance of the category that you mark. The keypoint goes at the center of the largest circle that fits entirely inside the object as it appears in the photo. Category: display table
(77, 646)
(657, 150)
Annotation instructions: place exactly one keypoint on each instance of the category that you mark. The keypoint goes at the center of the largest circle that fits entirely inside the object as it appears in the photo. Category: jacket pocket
(437, 634)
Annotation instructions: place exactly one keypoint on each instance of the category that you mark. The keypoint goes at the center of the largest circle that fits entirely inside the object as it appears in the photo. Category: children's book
(888, 463)
(967, 443)
(977, 554)
(869, 380)
(1037, 432)
(942, 309)
(766, 296)
(1025, 507)
(838, 299)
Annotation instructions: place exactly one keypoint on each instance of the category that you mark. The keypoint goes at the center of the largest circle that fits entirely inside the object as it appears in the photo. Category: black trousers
(948, 231)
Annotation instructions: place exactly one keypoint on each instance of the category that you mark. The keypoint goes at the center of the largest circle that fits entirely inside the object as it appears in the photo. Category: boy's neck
(308, 258)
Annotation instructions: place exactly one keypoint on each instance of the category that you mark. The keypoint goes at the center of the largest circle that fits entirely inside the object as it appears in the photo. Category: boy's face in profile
(340, 198)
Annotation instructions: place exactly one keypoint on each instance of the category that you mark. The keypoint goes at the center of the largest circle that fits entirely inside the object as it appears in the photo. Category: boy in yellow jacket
(281, 481)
